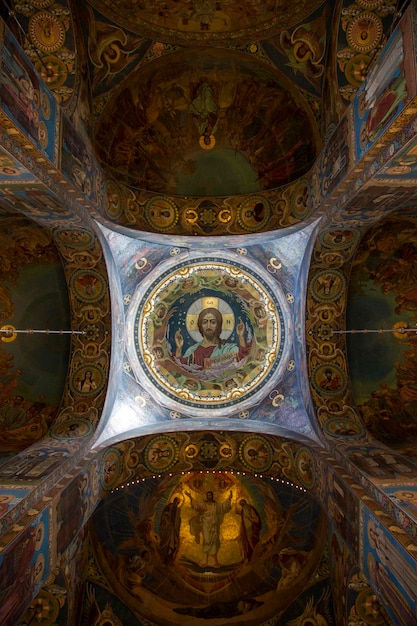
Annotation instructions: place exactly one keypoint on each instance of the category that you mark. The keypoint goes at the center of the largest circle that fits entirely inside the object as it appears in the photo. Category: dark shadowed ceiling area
(207, 124)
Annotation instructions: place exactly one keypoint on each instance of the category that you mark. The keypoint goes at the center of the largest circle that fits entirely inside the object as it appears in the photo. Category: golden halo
(207, 146)
(401, 333)
(10, 335)
(191, 320)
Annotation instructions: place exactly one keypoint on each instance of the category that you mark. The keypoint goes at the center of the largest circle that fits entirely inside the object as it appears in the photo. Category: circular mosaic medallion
(113, 204)
(207, 334)
(110, 468)
(87, 380)
(45, 106)
(370, 616)
(46, 608)
(305, 467)
(370, 5)
(52, 70)
(72, 428)
(301, 199)
(75, 237)
(88, 285)
(339, 238)
(364, 32)
(161, 213)
(356, 69)
(343, 427)
(46, 31)
(41, 4)
(256, 453)
(43, 135)
(253, 213)
(161, 453)
(329, 380)
(327, 285)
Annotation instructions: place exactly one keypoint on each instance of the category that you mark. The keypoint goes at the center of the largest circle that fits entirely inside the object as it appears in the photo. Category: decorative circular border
(41, 4)
(78, 238)
(339, 238)
(370, 5)
(329, 379)
(161, 453)
(364, 32)
(111, 467)
(97, 378)
(162, 302)
(74, 428)
(46, 31)
(353, 67)
(340, 427)
(88, 285)
(52, 70)
(305, 467)
(161, 213)
(113, 199)
(254, 213)
(256, 453)
(328, 285)
(301, 194)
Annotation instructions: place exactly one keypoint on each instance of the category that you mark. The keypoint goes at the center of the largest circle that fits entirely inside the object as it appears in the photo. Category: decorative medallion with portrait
(207, 334)
(256, 453)
(88, 285)
(77, 238)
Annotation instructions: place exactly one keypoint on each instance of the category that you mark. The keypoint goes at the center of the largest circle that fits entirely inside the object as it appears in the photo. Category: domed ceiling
(211, 123)
(171, 114)
(153, 536)
(33, 295)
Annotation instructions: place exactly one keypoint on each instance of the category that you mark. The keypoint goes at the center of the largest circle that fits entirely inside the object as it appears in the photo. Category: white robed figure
(207, 523)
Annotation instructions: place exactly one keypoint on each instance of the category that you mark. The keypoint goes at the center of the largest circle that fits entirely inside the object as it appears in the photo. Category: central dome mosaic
(207, 334)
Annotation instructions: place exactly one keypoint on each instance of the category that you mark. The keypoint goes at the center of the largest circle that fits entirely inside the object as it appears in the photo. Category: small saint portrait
(88, 380)
(161, 213)
(254, 213)
(71, 429)
(339, 238)
(113, 203)
(161, 453)
(256, 453)
(110, 468)
(89, 286)
(343, 427)
(328, 285)
(329, 379)
(306, 468)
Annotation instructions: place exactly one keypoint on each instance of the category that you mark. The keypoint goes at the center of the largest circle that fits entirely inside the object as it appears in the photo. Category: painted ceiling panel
(206, 19)
(207, 124)
(214, 546)
(177, 375)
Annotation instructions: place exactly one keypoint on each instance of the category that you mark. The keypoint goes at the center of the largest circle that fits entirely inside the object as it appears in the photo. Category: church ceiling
(122, 170)
(154, 537)
(195, 123)
(207, 21)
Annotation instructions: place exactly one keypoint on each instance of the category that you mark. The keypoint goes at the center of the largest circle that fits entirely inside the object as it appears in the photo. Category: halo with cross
(210, 302)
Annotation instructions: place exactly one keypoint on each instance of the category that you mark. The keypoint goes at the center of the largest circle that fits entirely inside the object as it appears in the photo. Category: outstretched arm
(240, 330)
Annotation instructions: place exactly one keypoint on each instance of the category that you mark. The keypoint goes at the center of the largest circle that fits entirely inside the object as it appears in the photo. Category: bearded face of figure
(210, 324)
